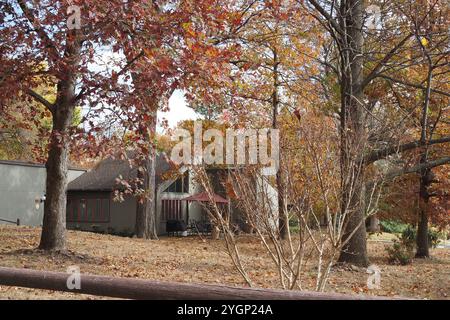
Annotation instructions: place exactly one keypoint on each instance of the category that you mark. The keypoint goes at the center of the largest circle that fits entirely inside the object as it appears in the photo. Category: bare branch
(413, 85)
(376, 71)
(381, 154)
(427, 165)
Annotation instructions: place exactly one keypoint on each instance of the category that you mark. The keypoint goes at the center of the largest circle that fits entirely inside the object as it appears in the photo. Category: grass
(383, 236)
(193, 260)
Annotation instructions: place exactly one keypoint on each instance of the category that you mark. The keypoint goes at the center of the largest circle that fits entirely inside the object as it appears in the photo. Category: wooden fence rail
(129, 288)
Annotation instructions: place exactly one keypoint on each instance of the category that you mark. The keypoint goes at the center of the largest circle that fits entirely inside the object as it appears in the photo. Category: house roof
(32, 164)
(203, 197)
(103, 176)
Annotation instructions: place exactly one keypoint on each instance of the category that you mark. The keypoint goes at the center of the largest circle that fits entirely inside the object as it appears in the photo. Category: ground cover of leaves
(198, 260)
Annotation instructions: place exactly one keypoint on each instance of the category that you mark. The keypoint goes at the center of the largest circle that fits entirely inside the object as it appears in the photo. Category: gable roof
(22, 163)
(103, 176)
(204, 197)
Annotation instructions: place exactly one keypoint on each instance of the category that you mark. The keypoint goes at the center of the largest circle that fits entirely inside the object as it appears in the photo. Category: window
(88, 210)
(181, 185)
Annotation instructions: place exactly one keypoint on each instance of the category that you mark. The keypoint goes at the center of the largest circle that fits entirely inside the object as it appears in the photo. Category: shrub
(409, 234)
(402, 250)
(392, 226)
(433, 236)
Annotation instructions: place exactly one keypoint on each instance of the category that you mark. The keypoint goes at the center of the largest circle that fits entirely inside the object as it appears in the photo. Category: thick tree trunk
(146, 219)
(354, 250)
(283, 223)
(146, 210)
(353, 134)
(425, 175)
(54, 223)
(422, 236)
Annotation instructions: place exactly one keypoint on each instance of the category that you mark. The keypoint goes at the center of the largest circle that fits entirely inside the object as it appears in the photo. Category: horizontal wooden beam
(129, 288)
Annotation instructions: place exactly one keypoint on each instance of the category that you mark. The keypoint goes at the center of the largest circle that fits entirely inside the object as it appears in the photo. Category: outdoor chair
(175, 227)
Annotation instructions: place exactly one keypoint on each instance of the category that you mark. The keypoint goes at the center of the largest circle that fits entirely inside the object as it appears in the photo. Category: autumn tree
(363, 56)
(181, 44)
(90, 52)
(271, 75)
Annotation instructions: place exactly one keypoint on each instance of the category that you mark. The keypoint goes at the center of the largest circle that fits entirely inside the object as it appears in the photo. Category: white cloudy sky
(178, 111)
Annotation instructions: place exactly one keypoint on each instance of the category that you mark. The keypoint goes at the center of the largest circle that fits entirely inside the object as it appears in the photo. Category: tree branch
(427, 165)
(41, 99)
(381, 154)
(31, 15)
(413, 85)
(326, 15)
(376, 71)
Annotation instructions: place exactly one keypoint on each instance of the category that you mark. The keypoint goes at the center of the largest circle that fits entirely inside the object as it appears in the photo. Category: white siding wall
(194, 208)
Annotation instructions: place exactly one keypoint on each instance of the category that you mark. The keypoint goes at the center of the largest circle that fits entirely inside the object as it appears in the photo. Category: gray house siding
(168, 205)
(120, 218)
(122, 215)
(21, 184)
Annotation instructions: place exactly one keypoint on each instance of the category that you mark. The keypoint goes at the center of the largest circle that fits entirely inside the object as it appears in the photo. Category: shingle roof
(33, 164)
(103, 176)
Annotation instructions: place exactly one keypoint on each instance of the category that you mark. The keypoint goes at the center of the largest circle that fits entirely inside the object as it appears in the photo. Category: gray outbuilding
(22, 190)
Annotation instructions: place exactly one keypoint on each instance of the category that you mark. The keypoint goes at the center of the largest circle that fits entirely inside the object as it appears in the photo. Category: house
(22, 191)
(91, 205)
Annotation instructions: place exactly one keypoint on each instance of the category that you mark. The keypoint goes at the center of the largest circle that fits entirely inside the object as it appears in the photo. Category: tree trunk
(425, 174)
(374, 224)
(354, 250)
(146, 210)
(54, 223)
(283, 223)
(353, 134)
(422, 226)
(146, 221)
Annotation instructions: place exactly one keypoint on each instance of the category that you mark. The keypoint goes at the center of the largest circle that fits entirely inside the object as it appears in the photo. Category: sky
(178, 111)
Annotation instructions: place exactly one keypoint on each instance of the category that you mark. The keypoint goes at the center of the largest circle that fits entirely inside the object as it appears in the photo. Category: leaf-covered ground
(193, 260)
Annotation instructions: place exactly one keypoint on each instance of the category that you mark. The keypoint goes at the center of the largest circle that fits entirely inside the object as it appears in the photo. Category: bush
(409, 234)
(391, 226)
(400, 254)
(402, 251)
(434, 236)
